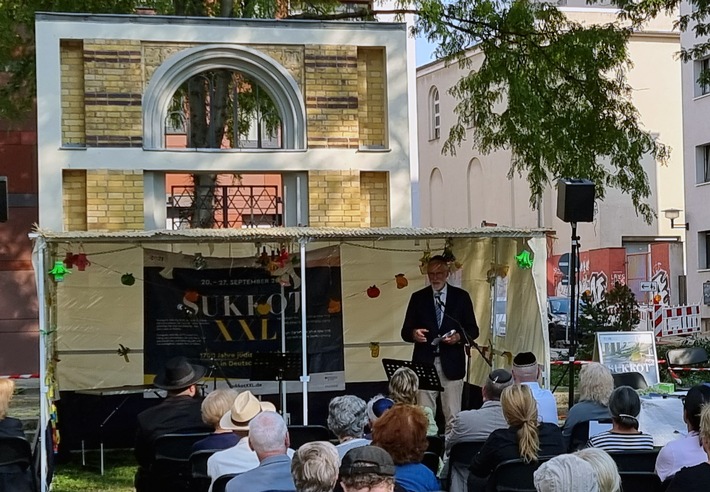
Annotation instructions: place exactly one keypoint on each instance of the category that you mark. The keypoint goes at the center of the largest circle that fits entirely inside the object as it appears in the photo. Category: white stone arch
(280, 85)
(437, 208)
(476, 188)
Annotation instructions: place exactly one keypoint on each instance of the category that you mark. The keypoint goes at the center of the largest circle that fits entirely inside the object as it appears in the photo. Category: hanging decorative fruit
(59, 270)
(334, 306)
(69, 260)
(81, 261)
(401, 281)
(373, 292)
(128, 279)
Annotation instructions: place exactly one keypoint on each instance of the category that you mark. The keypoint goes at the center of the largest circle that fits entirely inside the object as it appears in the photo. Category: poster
(629, 351)
(230, 312)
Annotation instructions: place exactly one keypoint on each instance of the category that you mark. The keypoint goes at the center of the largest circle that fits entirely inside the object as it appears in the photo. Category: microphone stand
(214, 367)
(469, 342)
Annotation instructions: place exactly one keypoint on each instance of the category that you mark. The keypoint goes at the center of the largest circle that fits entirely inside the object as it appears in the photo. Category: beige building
(696, 135)
(471, 189)
(106, 87)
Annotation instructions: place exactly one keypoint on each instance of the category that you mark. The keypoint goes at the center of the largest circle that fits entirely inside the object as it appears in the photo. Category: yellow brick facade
(374, 203)
(114, 200)
(371, 97)
(74, 199)
(72, 80)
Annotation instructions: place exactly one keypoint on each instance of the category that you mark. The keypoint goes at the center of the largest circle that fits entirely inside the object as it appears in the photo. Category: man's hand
(420, 335)
(453, 339)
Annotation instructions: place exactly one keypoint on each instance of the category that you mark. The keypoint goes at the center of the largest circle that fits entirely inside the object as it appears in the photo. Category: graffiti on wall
(594, 282)
(660, 276)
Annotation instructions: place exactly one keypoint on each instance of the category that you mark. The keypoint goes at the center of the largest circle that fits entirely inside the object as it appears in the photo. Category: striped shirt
(611, 441)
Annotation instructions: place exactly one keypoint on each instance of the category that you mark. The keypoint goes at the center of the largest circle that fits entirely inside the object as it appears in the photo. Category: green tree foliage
(617, 310)
(550, 90)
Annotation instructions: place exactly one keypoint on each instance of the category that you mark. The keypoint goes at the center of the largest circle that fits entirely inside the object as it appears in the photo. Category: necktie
(439, 311)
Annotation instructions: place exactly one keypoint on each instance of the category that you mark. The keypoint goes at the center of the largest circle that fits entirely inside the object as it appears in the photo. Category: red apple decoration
(373, 292)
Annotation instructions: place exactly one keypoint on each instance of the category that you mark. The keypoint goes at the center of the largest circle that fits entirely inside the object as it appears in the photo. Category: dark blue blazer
(458, 315)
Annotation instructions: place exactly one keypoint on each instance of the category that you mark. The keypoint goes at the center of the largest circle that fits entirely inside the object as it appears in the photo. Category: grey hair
(267, 433)
(595, 383)
(565, 473)
(526, 374)
(347, 416)
(625, 406)
(314, 467)
(604, 467)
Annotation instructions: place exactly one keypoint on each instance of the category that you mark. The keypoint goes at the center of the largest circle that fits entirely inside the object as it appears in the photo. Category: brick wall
(114, 200)
(332, 96)
(371, 95)
(72, 80)
(334, 198)
(113, 89)
(74, 199)
(374, 199)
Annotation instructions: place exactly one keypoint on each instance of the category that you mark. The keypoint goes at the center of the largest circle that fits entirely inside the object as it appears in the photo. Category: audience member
(401, 431)
(526, 371)
(566, 473)
(477, 425)
(213, 407)
(347, 417)
(624, 406)
(595, 387)
(376, 406)
(314, 467)
(688, 450)
(696, 478)
(179, 412)
(268, 438)
(403, 387)
(604, 468)
(239, 458)
(525, 438)
(12, 477)
(367, 469)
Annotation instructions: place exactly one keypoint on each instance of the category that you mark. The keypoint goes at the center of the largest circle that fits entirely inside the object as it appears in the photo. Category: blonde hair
(404, 385)
(520, 410)
(314, 467)
(216, 404)
(604, 468)
(7, 388)
(595, 383)
(705, 426)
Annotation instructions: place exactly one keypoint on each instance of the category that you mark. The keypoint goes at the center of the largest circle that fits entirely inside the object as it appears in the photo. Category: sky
(424, 50)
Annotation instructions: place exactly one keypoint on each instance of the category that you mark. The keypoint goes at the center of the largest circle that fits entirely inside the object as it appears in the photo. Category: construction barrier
(676, 320)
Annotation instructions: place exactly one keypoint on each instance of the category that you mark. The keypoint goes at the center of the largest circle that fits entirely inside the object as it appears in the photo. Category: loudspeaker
(575, 200)
(3, 199)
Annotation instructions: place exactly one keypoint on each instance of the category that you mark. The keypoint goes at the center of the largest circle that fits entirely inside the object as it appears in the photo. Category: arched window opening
(435, 115)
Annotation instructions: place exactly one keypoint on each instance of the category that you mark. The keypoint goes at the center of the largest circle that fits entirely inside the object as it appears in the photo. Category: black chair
(171, 464)
(301, 434)
(680, 359)
(17, 470)
(633, 379)
(515, 476)
(460, 458)
(221, 483)
(436, 445)
(431, 461)
(636, 469)
(580, 434)
(198, 463)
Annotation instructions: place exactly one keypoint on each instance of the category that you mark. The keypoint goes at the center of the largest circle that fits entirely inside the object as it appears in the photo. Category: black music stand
(428, 377)
(276, 366)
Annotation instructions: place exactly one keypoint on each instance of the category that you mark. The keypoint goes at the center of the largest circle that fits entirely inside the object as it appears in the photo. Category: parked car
(558, 320)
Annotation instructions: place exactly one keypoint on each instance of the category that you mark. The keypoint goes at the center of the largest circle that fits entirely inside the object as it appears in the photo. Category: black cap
(367, 459)
(500, 376)
(524, 359)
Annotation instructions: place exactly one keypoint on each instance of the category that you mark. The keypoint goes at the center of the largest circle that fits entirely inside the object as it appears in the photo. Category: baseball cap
(367, 459)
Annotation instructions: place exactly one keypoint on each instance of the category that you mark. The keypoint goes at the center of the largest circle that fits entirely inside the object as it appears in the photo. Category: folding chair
(633, 379)
(431, 460)
(460, 458)
(681, 359)
(221, 483)
(515, 476)
(198, 462)
(636, 469)
(580, 434)
(436, 445)
(171, 464)
(302, 434)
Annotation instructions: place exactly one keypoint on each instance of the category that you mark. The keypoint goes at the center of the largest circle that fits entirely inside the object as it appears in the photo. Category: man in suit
(433, 312)
(268, 438)
(179, 412)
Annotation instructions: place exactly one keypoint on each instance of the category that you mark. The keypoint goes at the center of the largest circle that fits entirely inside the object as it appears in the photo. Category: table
(663, 419)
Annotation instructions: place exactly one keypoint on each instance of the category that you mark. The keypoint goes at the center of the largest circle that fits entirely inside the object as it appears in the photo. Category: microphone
(186, 310)
(469, 342)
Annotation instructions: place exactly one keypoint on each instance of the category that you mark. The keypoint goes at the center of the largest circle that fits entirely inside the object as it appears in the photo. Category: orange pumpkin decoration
(401, 281)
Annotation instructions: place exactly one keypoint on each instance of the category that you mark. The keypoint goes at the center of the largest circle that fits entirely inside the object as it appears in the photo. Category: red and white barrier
(19, 376)
(677, 320)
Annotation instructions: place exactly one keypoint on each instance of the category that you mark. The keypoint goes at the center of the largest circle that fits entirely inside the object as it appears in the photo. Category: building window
(702, 76)
(435, 115)
(702, 159)
(704, 250)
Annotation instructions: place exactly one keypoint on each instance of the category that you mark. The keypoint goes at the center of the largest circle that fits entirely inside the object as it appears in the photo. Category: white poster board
(629, 351)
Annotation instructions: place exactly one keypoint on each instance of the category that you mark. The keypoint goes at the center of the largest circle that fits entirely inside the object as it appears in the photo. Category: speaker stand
(572, 321)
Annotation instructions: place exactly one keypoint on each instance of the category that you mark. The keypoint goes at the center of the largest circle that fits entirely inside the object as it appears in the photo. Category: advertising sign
(629, 351)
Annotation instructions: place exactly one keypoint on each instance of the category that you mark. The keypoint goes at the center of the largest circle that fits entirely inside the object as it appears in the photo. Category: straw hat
(245, 407)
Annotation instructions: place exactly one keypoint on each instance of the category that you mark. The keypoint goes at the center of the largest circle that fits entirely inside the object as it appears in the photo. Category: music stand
(276, 366)
(428, 377)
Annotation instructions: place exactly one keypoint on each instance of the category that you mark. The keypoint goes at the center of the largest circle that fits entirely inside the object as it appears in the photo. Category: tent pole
(283, 388)
(304, 343)
(40, 251)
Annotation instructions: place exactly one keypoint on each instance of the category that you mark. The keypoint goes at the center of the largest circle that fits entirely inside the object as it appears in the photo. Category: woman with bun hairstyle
(624, 407)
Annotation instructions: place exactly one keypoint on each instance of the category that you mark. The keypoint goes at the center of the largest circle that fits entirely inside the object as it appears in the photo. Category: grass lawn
(119, 468)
